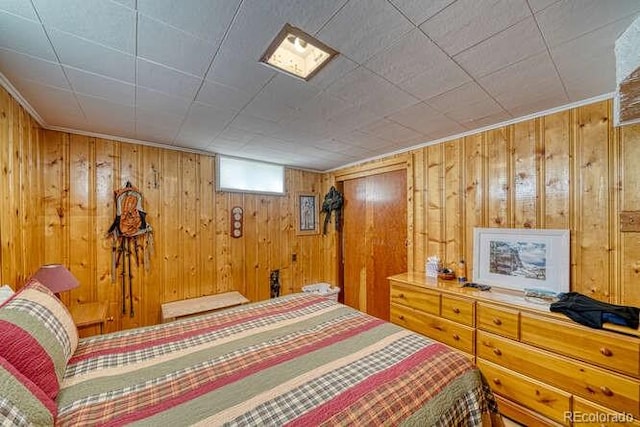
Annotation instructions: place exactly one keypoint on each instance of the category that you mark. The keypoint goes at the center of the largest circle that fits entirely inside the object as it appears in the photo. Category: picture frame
(522, 258)
(307, 215)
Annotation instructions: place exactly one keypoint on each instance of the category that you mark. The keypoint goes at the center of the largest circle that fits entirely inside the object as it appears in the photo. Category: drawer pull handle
(606, 352)
(497, 352)
(497, 321)
(456, 310)
(456, 337)
(401, 317)
(437, 327)
(497, 381)
(606, 391)
(400, 295)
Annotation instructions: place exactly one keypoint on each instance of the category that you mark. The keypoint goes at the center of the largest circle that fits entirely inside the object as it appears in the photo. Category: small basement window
(248, 176)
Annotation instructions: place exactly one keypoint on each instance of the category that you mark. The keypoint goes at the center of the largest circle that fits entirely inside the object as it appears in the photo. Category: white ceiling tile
(16, 65)
(443, 76)
(95, 58)
(167, 80)
(486, 120)
(526, 82)
(465, 103)
(116, 128)
(52, 104)
(309, 16)
(169, 46)
(265, 106)
(206, 19)
(158, 119)
(353, 118)
(566, 20)
(391, 131)
(541, 103)
(96, 85)
(21, 8)
(131, 4)
(425, 119)
(538, 5)
(419, 11)
(24, 36)
(219, 95)
(101, 21)
(202, 124)
(364, 140)
(594, 52)
(246, 122)
(407, 58)
(364, 27)
(370, 92)
(100, 109)
(514, 44)
(237, 71)
(155, 132)
(290, 91)
(252, 31)
(235, 135)
(157, 101)
(324, 106)
(338, 67)
(467, 22)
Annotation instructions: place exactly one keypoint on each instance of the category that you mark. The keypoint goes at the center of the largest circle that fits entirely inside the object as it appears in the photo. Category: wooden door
(374, 239)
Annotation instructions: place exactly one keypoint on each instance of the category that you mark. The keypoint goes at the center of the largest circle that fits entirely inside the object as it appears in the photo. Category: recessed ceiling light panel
(297, 53)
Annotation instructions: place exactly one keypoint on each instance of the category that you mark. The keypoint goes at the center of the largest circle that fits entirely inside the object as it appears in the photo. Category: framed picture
(521, 258)
(307, 214)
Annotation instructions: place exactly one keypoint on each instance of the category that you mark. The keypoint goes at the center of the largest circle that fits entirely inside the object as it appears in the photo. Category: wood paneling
(57, 192)
(569, 170)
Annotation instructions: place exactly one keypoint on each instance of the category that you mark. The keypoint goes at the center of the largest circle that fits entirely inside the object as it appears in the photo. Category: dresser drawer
(612, 390)
(614, 351)
(459, 310)
(447, 332)
(422, 299)
(547, 400)
(499, 320)
(588, 414)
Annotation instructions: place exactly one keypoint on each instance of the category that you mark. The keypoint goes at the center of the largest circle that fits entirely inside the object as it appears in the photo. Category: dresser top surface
(496, 295)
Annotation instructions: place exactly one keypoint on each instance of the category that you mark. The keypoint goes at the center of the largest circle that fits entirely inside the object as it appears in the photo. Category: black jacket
(589, 312)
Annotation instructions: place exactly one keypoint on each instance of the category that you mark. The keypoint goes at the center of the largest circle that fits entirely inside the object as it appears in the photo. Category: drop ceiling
(186, 73)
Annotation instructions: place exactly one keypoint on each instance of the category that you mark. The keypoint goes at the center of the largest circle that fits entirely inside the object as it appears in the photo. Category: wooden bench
(194, 306)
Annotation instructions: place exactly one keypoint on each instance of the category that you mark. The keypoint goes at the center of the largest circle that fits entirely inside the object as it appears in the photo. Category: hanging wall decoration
(332, 203)
(131, 235)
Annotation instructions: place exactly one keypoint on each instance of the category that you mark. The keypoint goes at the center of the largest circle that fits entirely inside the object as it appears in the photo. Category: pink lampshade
(56, 277)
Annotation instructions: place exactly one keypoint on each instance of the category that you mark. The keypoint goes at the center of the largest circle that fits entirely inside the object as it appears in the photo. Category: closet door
(374, 239)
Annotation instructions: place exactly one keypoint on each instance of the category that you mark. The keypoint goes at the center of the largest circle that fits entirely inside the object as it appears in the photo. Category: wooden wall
(21, 221)
(570, 170)
(58, 204)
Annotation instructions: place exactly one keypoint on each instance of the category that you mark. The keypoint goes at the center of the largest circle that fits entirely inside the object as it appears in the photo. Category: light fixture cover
(297, 53)
(56, 277)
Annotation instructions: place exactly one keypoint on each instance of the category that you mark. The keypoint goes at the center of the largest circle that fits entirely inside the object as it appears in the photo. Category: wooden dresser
(544, 368)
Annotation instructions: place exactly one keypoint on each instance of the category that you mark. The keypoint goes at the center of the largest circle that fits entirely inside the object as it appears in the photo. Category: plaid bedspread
(299, 360)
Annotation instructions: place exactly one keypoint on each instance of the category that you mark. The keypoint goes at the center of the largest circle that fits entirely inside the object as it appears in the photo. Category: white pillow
(5, 293)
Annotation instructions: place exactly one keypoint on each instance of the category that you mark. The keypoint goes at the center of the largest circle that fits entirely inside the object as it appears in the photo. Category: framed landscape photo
(307, 214)
(521, 258)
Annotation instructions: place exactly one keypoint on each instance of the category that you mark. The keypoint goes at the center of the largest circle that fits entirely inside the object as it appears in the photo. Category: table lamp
(56, 277)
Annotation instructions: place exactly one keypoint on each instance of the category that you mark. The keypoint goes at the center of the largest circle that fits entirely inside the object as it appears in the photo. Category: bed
(298, 360)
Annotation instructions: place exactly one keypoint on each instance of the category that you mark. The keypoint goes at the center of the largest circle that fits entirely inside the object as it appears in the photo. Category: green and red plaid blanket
(299, 360)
